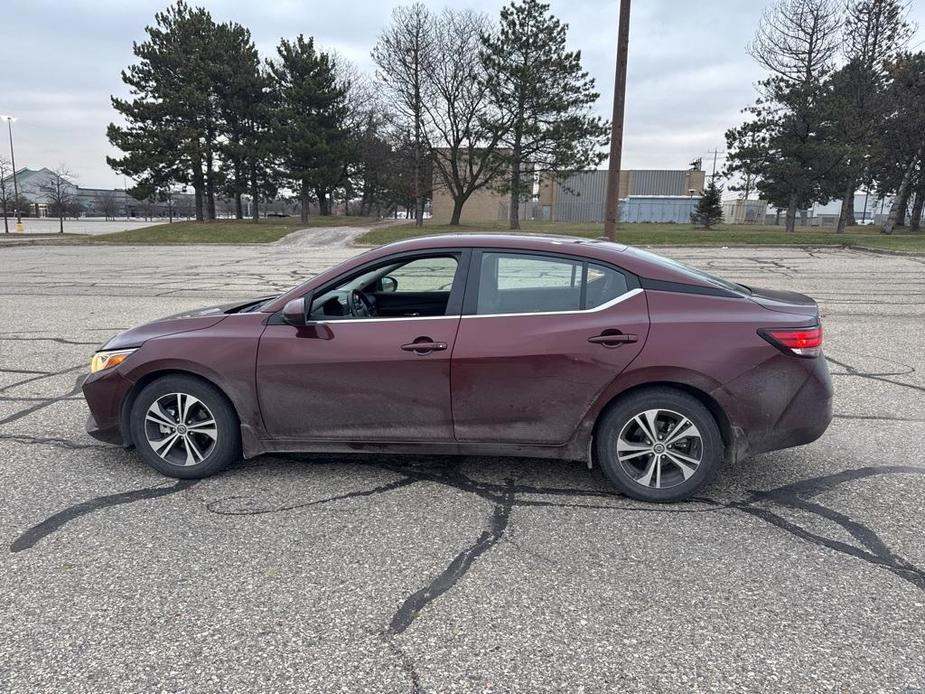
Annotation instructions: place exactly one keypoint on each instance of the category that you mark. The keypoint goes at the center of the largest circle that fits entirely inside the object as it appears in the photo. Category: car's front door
(541, 337)
(354, 377)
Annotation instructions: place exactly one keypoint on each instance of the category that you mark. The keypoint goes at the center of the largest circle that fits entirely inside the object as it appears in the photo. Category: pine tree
(171, 129)
(874, 33)
(542, 99)
(709, 211)
(309, 121)
(242, 99)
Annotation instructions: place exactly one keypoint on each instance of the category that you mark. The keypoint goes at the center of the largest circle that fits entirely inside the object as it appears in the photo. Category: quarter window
(522, 283)
(603, 284)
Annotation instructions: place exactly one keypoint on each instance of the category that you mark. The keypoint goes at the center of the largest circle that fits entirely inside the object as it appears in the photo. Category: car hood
(197, 319)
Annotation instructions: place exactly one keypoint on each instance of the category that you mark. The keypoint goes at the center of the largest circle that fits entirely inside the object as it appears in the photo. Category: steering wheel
(360, 305)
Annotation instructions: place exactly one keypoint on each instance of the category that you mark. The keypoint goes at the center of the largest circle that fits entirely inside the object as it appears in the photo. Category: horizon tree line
(840, 110)
(458, 103)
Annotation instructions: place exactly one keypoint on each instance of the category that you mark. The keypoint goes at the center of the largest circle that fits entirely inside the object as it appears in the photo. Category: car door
(353, 378)
(541, 336)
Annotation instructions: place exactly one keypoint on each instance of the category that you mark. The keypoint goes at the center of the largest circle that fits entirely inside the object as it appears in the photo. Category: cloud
(688, 75)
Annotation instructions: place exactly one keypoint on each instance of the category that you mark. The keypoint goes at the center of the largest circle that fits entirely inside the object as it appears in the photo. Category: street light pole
(612, 209)
(9, 122)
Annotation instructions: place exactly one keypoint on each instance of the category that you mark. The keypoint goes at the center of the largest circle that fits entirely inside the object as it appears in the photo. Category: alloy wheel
(659, 448)
(180, 429)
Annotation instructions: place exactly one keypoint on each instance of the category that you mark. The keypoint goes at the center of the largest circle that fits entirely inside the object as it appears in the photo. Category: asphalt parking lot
(801, 570)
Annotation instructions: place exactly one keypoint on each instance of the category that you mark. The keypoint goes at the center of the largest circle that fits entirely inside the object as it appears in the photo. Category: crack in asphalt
(59, 340)
(407, 666)
(37, 532)
(797, 496)
(43, 403)
(455, 570)
(40, 377)
(852, 371)
(877, 418)
(56, 442)
(215, 506)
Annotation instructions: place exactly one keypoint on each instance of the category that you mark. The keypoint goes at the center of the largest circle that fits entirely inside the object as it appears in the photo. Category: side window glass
(513, 283)
(604, 284)
(422, 275)
(414, 288)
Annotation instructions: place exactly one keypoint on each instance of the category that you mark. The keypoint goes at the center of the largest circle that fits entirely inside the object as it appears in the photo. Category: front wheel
(184, 427)
(659, 445)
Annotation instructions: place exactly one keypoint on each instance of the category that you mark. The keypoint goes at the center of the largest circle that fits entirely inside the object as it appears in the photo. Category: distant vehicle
(547, 347)
(865, 221)
(278, 214)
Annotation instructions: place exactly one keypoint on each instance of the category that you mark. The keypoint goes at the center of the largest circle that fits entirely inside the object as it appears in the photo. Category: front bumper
(105, 392)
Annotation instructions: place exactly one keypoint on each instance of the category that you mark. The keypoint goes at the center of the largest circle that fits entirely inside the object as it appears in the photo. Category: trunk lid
(785, 302)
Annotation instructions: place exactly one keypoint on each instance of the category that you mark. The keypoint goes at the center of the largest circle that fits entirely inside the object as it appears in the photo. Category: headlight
(107, 360)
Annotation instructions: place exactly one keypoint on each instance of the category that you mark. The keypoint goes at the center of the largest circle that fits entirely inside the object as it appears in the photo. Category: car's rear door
(541, 336)
(365, 379)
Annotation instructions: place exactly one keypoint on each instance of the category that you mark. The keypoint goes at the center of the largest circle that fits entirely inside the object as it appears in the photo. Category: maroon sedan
(547, 347)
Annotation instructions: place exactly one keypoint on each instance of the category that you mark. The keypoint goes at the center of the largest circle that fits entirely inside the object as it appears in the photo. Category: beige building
(745, 211)
(579, 197)
(484, 206)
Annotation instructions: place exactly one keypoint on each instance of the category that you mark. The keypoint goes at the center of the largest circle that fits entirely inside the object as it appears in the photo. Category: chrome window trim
(353, 320)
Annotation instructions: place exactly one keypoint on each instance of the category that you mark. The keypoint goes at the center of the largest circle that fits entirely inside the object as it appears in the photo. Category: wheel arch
(129, 400)
(727, 431)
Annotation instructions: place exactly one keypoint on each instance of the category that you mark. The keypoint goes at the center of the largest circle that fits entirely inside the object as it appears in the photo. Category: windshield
(691, 272)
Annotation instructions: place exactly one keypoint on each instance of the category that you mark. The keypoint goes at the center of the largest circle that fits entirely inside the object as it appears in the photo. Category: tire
(686, 458)
(198, 448)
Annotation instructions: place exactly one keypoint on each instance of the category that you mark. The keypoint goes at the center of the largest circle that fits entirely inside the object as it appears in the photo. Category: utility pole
(9, 123)
(612, 208)
(715, 154)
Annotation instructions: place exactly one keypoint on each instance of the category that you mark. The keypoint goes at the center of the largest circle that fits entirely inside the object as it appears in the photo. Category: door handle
(424, 345)
(613, 338)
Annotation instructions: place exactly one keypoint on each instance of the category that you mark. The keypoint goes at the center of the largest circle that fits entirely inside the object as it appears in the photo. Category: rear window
(691, 272)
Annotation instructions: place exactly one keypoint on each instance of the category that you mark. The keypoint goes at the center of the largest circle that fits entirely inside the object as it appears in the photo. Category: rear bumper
(795, 420)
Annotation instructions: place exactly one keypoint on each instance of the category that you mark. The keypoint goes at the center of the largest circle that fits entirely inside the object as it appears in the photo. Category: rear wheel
(184, 427)
(659, 445)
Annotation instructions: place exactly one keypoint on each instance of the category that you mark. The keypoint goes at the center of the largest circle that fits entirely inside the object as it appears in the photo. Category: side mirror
(297, 312)
(389, 284)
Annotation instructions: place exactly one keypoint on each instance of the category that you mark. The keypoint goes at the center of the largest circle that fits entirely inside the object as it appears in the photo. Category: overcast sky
(689, 74)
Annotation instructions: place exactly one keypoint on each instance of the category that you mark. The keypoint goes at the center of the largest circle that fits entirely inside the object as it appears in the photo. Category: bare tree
(404, 54)
(464, 141)
(107, 203)
(798, 40)
(59, 193)
(6, 192)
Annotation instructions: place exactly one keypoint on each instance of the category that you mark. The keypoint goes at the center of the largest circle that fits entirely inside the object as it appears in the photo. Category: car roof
(637, 261)
(550, 242)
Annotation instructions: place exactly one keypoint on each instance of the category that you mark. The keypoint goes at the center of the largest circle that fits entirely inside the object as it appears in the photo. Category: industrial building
(646, 196)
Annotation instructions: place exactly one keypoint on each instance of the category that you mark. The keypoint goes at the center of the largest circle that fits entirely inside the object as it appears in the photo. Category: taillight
(803, 342)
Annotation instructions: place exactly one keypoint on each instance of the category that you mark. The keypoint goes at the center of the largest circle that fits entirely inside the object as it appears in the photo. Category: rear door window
(525, 283)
